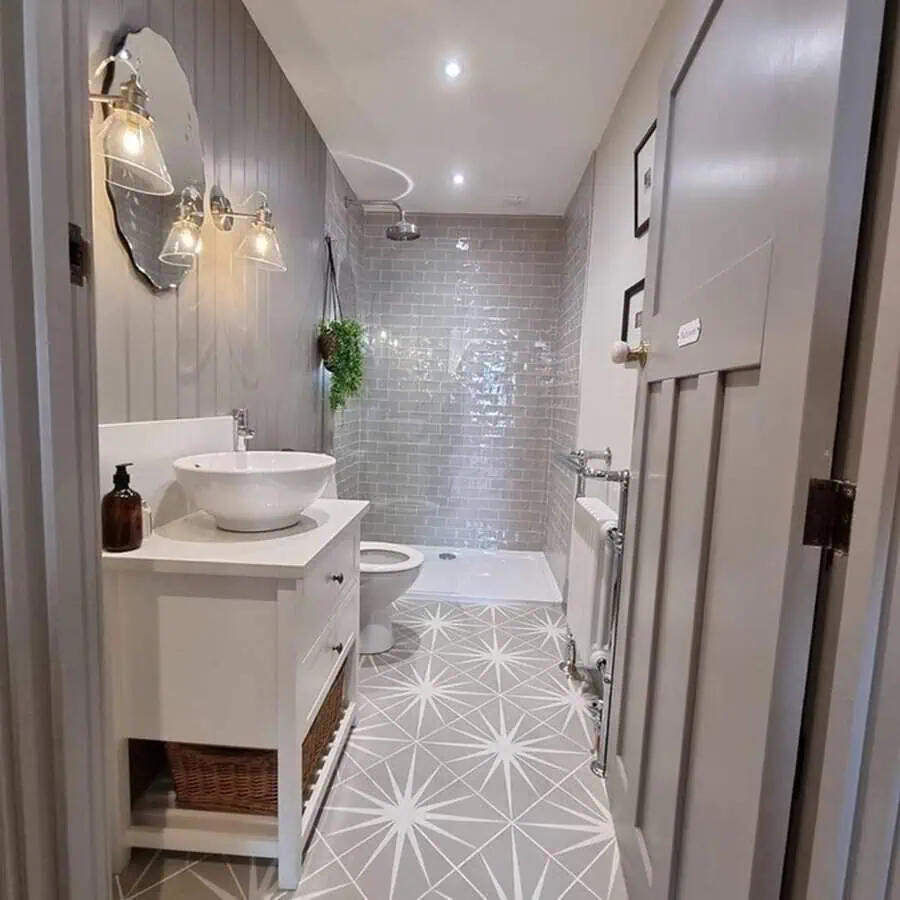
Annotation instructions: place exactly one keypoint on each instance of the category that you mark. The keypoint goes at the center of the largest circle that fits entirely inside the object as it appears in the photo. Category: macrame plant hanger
(331, 311)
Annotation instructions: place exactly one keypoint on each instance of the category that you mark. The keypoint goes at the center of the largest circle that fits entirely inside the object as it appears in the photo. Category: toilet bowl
(387, 572)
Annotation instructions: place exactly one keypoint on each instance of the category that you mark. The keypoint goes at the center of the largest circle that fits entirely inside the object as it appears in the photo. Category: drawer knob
(338, 648)
(338, 578)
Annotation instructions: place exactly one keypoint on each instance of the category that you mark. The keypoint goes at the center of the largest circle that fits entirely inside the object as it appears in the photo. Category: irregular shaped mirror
(155, 226)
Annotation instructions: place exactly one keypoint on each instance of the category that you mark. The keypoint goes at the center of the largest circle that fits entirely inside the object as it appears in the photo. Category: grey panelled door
(761, 156)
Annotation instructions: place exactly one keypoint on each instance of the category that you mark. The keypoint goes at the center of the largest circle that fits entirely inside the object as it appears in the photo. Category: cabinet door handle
(338, 578)
(338, 648)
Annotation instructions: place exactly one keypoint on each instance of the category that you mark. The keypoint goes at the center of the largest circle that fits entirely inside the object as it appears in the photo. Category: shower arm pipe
(352, 201)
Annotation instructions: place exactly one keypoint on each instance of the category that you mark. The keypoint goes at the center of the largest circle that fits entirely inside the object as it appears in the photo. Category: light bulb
(187, 239)
(452, 69)
(262, 243)
(131, 141)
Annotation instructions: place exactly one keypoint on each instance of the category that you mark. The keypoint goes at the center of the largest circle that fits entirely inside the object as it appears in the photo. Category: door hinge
(829, 514)
(79, 255)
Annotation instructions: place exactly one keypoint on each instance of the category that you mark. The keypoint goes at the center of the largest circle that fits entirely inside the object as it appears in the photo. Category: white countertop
(194, 546)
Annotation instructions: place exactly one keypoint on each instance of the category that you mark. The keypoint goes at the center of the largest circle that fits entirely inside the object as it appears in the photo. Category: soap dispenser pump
(122, 514)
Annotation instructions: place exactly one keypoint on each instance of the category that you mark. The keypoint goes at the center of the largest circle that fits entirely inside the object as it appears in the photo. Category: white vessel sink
(256, 490)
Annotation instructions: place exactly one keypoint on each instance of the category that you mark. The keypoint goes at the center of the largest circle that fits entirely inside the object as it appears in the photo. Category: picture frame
(633, 313)
(643, 181)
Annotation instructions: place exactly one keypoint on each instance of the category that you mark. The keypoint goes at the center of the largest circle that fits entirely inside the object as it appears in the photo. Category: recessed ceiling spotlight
(459, 179)
(452, 69)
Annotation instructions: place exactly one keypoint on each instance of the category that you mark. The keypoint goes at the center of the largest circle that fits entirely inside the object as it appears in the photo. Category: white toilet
(387, 571)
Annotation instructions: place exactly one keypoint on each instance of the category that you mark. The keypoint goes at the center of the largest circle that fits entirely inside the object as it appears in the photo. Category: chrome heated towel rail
(578, 462)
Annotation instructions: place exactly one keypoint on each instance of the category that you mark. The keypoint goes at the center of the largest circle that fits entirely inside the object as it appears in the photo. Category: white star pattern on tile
(403, 818)
(561, 702)
(443, 621)
(441, 690)
(491, 658)
(521, 752)
(547, 631)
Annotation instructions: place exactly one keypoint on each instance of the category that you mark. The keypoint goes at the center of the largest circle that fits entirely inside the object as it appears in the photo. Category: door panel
(640, 640)
(761, 156)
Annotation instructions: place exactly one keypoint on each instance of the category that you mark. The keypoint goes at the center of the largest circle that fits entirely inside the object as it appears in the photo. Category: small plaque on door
(689, 333)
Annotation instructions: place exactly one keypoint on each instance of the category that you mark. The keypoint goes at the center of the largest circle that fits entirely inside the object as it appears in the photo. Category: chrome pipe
(607, 663)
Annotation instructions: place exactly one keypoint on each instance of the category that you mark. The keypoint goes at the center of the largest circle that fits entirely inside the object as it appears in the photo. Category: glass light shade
(183, 244)
(260, 245)
(133, 158)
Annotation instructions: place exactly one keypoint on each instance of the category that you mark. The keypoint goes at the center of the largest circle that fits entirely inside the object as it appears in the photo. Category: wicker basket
(321, 734)
(224, 779)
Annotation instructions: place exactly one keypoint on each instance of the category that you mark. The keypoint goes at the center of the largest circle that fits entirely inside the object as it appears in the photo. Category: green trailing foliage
(341, 342)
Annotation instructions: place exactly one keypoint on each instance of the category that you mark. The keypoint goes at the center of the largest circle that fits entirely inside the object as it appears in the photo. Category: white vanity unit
(231, 640)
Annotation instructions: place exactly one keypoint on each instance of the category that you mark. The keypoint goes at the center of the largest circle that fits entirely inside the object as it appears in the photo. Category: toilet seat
(391, 558)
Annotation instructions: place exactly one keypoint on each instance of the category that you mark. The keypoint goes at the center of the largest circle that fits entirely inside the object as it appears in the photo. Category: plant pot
(328, 345)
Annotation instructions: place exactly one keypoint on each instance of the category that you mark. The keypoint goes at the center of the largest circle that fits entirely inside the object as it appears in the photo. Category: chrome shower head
(404, 230)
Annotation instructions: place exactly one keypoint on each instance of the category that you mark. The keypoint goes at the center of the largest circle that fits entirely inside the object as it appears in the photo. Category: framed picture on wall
(632, 314)
(643, 181)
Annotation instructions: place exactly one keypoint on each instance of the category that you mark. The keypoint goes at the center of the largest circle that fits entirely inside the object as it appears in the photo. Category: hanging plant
(340, 341)
(341, 346)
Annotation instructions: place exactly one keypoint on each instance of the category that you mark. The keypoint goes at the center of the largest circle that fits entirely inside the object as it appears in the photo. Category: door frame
(850, 822)
(53, 832)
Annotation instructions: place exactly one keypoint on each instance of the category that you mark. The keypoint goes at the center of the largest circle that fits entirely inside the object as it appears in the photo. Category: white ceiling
(540, 81)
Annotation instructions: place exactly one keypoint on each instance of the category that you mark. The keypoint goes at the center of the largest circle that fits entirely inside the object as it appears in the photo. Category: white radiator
(591, 559)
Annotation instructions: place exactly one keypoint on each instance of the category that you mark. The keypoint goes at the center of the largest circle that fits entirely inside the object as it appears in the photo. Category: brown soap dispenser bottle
(121, 514)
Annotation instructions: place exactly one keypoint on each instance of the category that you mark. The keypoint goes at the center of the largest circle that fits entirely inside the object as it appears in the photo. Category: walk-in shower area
(471, 385)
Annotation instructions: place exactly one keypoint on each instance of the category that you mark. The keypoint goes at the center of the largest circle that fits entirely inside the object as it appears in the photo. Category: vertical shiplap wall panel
(188, 295)
(231, 335)
(165, 310)
(205, 274)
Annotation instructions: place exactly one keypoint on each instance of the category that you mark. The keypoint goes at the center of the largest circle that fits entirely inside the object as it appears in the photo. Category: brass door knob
(622, 354)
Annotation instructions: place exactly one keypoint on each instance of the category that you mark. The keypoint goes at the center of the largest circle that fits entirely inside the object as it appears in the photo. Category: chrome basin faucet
(242, 431)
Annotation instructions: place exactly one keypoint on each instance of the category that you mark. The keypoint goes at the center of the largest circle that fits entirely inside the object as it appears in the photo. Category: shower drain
(446, 556)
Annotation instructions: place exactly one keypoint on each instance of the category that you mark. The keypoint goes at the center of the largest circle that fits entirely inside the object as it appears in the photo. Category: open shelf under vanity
(158, 823)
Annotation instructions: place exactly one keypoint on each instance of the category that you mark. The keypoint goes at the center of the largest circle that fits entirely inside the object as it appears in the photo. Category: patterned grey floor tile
(440, 623)
(577, 831)
(544, 627)
(498, 614)
(505, 755)
(243, 878)
(148, 873)
(425, 695)
(509, 869)
(496, 659)
(402, 826)
(560, 702)
(375, 737)
(584, 783)
(407, 646)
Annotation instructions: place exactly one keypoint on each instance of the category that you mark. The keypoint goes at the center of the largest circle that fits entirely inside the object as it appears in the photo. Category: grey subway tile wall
(566, 355)
(457, 412)
(342, 429)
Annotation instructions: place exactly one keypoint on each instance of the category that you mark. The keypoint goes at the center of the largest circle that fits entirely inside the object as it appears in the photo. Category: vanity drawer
(331, 573)
(317, 670)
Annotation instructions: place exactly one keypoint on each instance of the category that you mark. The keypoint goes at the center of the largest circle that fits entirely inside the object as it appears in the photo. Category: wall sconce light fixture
(184, 243)
(133, 158)
(260, 244)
